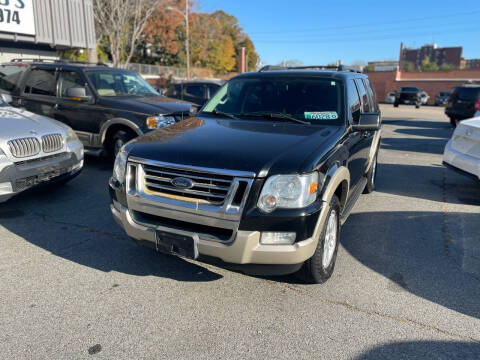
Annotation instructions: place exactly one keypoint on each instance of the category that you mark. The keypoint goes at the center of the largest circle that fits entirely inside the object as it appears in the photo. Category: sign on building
(16, 16)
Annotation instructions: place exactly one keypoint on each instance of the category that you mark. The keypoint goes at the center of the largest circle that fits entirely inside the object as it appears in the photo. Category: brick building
(432, 82)
(473, 64)
(449, 55)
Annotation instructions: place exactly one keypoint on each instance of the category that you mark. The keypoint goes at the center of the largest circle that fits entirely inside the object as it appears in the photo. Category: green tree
(221, 55)
(409, 67)
(427, 65)
(446, 67)
(252, 56)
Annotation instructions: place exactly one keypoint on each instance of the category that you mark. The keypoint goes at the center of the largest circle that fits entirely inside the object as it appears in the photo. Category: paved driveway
(406, 285)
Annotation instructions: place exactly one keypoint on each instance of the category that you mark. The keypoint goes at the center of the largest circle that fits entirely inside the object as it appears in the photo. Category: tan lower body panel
(246, 249)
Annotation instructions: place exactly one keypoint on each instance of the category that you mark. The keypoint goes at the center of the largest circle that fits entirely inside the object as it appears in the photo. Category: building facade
(40, 28)
(473, 64)
(448, 55)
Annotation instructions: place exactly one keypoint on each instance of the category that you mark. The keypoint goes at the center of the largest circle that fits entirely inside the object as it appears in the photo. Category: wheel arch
(113, 125)
(338, 184)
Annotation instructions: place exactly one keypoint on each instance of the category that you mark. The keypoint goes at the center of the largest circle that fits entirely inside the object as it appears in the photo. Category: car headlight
(71, 136)
(157, 122)
(288, 192)
(120, 166)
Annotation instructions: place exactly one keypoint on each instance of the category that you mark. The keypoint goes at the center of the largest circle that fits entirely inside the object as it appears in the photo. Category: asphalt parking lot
(406, 284)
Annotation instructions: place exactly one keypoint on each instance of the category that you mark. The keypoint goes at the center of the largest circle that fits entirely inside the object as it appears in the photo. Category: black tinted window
(212, 89)
(469, 93)
(363, 96)
(9, 75)
(410, 89)
(194, 90)
(40, 82)
(353, 98)
(371, 94)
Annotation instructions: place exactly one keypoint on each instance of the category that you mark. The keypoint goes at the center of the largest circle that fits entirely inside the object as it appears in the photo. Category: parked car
(424, 97)
(263, 177)
(105, 106)
(463, 103)
(462, 152)
(35, 150)
(442, 98)
(390, 98)
(197, 92)
(408, 95)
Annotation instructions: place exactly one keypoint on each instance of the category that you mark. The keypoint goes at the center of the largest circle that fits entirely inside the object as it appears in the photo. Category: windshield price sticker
(322, 115)
(16, 16)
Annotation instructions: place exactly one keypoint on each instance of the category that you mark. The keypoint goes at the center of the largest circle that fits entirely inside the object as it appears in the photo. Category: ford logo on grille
(182, 183)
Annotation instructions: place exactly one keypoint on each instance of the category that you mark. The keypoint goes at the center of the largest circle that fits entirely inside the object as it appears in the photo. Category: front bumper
(23, 175)
(463, 162)
(244, 249)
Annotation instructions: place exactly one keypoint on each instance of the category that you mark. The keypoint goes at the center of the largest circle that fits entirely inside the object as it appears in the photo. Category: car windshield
(113, 82)
(312, 100)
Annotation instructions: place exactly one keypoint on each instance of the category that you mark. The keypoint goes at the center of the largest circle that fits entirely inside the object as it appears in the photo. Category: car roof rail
(55, 61)
(311, 67)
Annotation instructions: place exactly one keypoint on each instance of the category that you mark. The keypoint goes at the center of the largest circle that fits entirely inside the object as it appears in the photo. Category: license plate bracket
(178, 244)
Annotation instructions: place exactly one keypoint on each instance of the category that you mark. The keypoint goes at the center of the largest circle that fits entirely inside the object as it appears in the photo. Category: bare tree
(123, 23)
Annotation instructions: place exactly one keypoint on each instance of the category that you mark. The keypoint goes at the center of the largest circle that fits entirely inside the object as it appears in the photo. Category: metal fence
(155, 70)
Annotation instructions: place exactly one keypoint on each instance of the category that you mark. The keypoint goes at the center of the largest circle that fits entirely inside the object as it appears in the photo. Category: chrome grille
(207, 187)
(24, 147)
(52, 142)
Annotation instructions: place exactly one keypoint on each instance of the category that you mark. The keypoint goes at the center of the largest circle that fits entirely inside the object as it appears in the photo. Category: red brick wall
(431, 82)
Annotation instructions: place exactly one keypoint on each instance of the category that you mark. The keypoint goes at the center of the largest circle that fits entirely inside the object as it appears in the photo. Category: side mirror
(368, 121)
(77, 93)
(193, 111)
(7, 98)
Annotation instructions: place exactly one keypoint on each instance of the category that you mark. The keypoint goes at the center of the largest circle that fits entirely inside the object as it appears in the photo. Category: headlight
(157, 122)
(2, 153)
(71, 136)
(288, 192)
(120, 166)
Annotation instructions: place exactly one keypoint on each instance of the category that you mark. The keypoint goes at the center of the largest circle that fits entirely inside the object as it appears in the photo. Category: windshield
(110, 82)
(314, 100)
(410, 89)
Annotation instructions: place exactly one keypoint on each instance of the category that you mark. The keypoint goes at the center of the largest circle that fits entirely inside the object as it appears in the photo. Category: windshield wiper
(221, 113)
(275, 115)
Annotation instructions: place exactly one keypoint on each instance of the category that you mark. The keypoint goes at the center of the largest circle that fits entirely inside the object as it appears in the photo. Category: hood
(148, 105)
(264, 147)
(17, 123)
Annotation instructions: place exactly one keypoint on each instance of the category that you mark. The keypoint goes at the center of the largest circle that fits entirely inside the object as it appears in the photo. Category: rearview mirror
(368, 121)
(77, 93)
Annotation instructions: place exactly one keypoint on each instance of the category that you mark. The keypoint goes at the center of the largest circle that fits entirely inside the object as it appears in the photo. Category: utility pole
(187, 33)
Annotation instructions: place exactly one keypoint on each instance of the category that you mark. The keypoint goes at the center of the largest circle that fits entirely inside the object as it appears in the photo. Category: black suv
(105, 106)
(463, 104)
(197, 92)
(408, 95)
(262, 177)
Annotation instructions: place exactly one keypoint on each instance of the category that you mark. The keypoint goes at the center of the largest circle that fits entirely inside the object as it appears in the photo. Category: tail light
(477, 105)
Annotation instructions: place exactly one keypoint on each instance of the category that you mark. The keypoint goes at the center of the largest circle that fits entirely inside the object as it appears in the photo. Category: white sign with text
(16, 16)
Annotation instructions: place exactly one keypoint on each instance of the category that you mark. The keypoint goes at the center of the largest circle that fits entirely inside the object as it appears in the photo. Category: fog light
(278, 238)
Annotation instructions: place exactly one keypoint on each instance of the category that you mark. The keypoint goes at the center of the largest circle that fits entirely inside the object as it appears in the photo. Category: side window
(353, 99)
(212, 89)
(363, 96)
(40, 82)
(68, 79)
(9, 76)
(194, 90)
(371, 94)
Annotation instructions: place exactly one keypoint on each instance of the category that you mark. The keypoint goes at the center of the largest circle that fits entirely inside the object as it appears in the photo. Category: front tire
(119, 139)
(395, 105)
(319, 268)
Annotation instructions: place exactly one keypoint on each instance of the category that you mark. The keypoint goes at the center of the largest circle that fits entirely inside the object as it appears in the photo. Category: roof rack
(311, 67)
(53, 61)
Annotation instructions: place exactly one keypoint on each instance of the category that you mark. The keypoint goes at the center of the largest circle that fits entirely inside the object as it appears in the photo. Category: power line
(367, 24)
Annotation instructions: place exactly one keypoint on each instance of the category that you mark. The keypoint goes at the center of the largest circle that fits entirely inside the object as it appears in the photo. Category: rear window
(315, 100)
(410, 89)
(468, 93)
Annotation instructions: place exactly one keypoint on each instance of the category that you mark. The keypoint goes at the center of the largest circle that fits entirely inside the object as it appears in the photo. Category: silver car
(34, 150)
